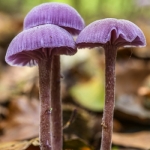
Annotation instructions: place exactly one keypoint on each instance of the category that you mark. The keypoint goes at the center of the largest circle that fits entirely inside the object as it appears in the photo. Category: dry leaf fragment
(136, 140)
(23, 120)
(19, 145)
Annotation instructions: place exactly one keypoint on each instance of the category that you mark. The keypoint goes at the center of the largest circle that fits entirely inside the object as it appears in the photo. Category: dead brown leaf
(16, 80)
(23, 120)
(136, 140)
(19, 145)
(130, 75)
(14, 145)
(130, 106)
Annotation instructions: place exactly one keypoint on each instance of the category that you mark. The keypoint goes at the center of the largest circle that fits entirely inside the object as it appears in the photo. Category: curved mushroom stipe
(59, 14)
(110, 34)
(117, 32)
(37, 43)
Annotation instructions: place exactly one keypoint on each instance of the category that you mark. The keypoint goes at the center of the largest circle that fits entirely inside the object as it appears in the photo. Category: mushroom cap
(55, 13)
(117, 32)
(37, 43)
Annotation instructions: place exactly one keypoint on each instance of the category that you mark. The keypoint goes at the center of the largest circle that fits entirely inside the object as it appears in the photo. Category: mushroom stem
(56, 118)
(45, 98)
(107, 121)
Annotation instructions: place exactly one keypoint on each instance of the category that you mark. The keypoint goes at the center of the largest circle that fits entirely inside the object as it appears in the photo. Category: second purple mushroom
(110, 34)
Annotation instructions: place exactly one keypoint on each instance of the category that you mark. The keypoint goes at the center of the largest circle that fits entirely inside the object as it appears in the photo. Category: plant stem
(45, 99)
(107, 121)
(56, 118)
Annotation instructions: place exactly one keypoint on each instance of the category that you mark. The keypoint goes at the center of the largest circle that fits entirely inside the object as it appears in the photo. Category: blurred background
(82, 84)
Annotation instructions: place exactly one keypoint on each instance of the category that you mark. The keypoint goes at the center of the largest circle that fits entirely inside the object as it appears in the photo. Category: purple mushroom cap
(55, 13)
(37, 43)
(117, 32)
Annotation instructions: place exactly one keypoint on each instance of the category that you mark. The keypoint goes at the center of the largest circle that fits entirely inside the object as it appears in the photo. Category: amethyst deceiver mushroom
(68, 18)
(110, 34)
(59, 14)
(36, 46)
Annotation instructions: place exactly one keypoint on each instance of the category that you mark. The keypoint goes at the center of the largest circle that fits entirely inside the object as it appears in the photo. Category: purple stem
(107, 121)
(45, 99)
(56, 118)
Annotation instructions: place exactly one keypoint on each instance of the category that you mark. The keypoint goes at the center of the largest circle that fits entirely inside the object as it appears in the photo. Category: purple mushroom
(110, 34)
(68, 18)
(59, 14)
(36, 46)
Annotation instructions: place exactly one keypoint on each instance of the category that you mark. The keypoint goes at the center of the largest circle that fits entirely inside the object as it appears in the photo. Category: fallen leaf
(130, 75)
(23, 120)
(134, 140)
(35, 142)
(16, 80)
(90, 94)
(80, 123)
(131, 108)
(19, 145)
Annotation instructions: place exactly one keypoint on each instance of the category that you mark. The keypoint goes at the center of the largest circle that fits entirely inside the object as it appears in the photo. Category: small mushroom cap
(55, 13)
(37, 43)
(117, 32)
